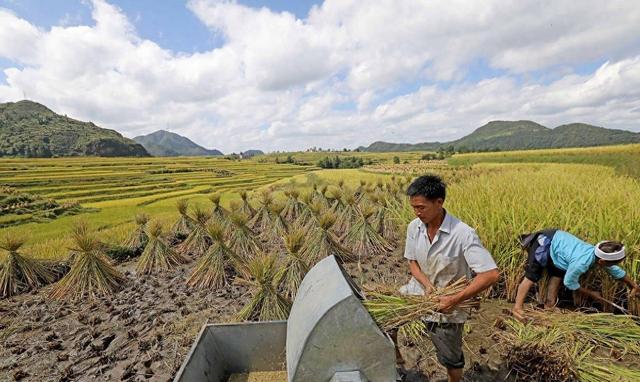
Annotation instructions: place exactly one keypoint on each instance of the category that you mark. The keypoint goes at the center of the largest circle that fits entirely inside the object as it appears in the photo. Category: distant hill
(164, 143)
(520, 135)
(251, 153)
(29, 129)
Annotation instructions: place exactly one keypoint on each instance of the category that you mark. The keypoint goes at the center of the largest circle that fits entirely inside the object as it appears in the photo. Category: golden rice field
(502, 199)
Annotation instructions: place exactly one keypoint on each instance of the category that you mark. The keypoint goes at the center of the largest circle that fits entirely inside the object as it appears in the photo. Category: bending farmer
(566, 258)
(441, 249)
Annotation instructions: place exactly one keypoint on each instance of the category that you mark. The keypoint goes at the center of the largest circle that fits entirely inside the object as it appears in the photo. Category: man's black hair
(430, 186)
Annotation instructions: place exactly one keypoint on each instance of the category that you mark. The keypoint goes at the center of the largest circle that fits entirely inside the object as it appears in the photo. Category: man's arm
(479, 283)
(417, 273)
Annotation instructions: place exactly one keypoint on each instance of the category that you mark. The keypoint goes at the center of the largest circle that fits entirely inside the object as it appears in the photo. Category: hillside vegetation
(29, 129)
(163, 143)
(520, 135)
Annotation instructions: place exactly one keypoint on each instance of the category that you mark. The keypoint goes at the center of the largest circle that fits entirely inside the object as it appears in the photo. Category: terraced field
(115, 189)
(96, 182)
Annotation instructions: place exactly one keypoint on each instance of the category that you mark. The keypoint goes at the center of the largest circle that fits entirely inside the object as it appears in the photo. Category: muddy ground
(144, 331)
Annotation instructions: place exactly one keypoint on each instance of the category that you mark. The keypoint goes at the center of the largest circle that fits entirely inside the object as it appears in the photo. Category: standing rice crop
(209, 272)
(158, 255)
(19, 273)
(91, 272)
(264, 277)
(138, 237)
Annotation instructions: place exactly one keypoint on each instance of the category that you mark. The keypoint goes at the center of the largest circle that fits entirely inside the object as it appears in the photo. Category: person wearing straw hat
(566, 258)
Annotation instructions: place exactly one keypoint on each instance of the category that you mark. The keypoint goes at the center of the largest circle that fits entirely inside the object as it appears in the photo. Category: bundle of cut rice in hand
(392, 310)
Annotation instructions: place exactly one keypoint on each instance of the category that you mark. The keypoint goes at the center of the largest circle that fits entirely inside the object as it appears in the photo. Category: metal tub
(225, 349)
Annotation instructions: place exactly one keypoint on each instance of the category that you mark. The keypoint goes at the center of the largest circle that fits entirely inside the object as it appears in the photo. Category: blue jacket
(576, 257)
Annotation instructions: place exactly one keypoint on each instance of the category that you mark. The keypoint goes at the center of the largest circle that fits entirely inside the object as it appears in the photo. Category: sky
(290, 75)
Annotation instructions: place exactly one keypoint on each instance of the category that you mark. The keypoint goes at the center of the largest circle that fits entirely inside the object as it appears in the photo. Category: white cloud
(350, 73)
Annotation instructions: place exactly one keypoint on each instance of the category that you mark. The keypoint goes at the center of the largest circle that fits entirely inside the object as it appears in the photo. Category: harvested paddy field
(144, 331)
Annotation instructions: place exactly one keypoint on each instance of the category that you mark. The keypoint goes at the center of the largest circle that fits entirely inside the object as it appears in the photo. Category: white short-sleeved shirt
(456, 251)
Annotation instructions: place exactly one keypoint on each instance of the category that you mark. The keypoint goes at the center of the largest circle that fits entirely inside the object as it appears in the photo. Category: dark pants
(534, 270)
(447, 339)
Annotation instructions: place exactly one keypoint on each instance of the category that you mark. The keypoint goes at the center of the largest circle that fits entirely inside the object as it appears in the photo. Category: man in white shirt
(441, 249)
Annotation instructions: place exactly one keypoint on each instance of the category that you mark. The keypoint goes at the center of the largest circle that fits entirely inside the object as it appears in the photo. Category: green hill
(29, 129)
(163, 143)
(520, 135)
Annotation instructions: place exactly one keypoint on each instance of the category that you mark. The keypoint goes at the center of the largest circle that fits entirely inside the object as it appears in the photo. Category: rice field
(248, 231)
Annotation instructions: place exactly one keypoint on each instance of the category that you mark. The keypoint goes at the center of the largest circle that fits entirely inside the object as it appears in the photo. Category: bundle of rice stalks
(382, 224)
(246, 206)
(138, 238)
(218, 212)
(392, 310)
(278, 227)
(243, 240)
(209, 272)
(363, 238)
(334, 198)
(323, 241)
(158, 255)
(19, 273)
(262, 219)
(294, 208)
(614, 332)
(182, 227)
(198, 240)
(542, 353)
(91, 272)
(306, 198)
(296, 263)
(349, 213)
(265, 276)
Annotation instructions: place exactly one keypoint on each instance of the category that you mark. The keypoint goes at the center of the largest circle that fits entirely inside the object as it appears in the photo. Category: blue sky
(235, 75)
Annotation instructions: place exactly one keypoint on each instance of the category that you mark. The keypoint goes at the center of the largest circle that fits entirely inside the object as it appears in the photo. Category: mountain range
(519, 135)
(29, 129)
(164, 143)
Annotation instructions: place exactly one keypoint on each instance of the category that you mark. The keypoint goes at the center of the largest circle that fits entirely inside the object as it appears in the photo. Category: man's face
(426, 210)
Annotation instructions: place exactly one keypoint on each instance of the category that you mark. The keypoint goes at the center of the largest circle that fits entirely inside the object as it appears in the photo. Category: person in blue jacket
(566, 258)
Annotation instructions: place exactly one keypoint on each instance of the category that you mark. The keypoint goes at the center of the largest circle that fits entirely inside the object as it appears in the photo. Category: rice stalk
(262, 218)
(363, 239)
(183, 226)
(266, 303)
(158, 255)
(91, 272)
(392, 310)
(209, 272)
(19, 273)
(198, 241)
(323, 241)
(293, 209)
(243, 240)
(296, 263)
(138, 238)
(246, 207)
(218, 212)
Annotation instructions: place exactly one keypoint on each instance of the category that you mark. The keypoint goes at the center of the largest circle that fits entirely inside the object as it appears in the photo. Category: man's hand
(635, 292)
(447, 303)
